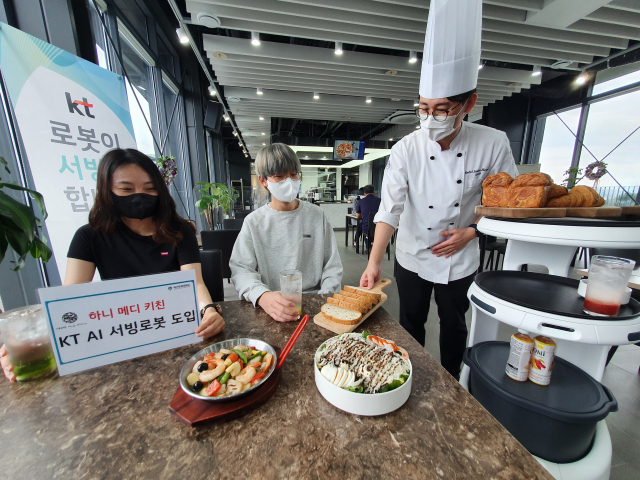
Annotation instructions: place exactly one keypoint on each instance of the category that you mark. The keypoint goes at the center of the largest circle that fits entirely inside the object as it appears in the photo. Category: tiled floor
(621, 376)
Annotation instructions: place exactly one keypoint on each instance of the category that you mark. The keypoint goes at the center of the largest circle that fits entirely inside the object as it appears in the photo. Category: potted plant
(215, 195)
(19, 225)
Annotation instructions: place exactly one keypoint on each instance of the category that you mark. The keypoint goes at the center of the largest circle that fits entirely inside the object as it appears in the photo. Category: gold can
(519, 357)
(542, 360)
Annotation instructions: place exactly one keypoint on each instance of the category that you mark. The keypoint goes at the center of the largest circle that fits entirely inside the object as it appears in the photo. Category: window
(610, 122)
(99, 35)
(166, 57)
(140, 74)
(614, 83)
(558, 143)
(134, 14)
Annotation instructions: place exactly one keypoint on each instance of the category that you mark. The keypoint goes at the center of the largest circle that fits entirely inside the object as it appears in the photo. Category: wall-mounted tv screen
(348, 150)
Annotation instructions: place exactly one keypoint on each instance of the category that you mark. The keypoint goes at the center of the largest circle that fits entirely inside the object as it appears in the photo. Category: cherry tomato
(233, 357)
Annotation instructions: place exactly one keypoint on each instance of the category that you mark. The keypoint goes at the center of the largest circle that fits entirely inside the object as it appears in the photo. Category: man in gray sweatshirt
(285, 234)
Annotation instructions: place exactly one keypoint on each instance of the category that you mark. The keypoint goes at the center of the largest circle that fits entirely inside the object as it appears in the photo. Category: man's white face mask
(439, 127)
(286, 191)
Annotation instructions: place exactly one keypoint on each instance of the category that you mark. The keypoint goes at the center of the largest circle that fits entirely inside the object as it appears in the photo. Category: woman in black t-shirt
(133, 230)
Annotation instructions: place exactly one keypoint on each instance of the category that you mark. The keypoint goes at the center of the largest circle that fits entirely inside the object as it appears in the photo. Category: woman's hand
(211, 325)
(7, 366)
(458, 239)
(278, 307)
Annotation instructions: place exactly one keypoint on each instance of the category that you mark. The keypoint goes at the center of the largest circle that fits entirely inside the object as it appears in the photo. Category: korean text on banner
(70, 112)
(100, 323)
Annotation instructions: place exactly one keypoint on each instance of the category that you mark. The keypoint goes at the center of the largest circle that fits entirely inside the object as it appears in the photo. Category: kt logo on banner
(73, 106)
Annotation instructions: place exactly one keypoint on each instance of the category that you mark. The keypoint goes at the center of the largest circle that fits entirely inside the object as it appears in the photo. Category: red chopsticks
(287, 348)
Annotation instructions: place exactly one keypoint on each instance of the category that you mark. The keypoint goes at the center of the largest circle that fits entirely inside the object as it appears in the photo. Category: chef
(433, 182)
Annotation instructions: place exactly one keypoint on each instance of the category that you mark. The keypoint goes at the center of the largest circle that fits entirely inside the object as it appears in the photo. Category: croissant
(535, 179)
(527, 196)
(556, 191)
(494, 190)
(591, 197)
(563, 201)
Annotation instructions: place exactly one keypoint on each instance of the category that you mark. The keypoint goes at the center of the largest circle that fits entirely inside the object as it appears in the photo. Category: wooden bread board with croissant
(633, 210)
(339, 328)
(550, 212)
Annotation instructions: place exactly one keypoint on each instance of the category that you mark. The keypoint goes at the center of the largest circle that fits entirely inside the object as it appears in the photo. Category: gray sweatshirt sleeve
(332, 267)
(244, 268)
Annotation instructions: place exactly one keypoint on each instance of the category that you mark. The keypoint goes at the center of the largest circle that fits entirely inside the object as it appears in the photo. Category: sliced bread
(347, 304)
(361, 301)
(340, 315)
(355, 296)
(375, 297)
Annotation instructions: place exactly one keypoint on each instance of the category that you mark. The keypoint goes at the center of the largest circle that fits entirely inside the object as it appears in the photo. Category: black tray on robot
(545, 293)
(555, 422)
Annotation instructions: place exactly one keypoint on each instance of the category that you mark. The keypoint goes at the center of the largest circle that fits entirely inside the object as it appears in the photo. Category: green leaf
(18, 240)
(37, 196)
(4, 163)
(40, 250)
(21, 215)
(4, 244)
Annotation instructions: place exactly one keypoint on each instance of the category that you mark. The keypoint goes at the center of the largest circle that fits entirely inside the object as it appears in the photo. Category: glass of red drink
(608, 279)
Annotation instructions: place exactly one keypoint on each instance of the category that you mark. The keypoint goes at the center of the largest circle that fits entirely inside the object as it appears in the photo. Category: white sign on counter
(100, 323)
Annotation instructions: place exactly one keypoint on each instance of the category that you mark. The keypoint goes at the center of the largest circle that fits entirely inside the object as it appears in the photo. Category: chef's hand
(7, 366)
(278, 308)
(458, 239)
(371, 275)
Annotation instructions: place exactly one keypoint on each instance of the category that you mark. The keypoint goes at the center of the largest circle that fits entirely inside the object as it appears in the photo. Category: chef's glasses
(438, 115)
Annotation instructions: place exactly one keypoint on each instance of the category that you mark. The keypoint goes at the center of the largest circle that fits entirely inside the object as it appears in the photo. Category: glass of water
(608, 279)
(24, 333)
(291, 288)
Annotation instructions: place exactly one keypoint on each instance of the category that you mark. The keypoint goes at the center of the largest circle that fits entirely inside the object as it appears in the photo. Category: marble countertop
(114, 422)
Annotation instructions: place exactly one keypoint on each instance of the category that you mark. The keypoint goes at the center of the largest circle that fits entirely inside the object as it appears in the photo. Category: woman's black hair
(103, 215)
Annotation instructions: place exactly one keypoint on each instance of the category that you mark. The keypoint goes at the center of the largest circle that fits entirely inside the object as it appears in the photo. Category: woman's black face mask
(137, 205)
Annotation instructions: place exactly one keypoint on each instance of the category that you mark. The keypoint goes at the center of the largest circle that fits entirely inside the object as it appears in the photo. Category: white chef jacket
(427, 190)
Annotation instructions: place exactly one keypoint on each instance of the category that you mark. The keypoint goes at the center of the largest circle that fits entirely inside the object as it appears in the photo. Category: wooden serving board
(506, 212)
(338, 328)
(594, 212)
(634, 210)
(193, 412)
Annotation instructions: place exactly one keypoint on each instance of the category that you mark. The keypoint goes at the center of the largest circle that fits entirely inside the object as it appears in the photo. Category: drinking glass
(291, 288)
(24, 333)
(608, 279)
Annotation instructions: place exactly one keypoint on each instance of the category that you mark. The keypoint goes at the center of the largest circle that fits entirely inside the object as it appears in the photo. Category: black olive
(224, 357)
(203, 366)
(198, 386)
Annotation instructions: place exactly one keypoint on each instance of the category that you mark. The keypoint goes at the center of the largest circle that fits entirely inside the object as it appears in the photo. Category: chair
(242, 214)
(211, 261)
(497, 248)
(232, 223)
(222, 240)
(370, 234)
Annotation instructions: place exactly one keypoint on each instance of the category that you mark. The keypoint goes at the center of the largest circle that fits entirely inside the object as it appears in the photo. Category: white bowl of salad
(363, 374)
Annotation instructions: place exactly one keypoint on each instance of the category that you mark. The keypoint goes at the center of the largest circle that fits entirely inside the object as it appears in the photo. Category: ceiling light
(258, 91)
(391, 139)
(226, 118)
(480, 66)
(212, 91)
(182, 35)
(324, 158)
(537, 70)
(417, 126)
(416, 103)
(246, 156)
(235, 133)
(255, 38)
(264, 144)
(316, 96)
(338, 48)
(581, 80)
(260, 118)
(240, 144)
(368, 100)
(413, 56)
(306, 156)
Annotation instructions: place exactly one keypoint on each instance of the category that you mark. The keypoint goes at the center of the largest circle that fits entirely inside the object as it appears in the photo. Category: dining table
(114, 421)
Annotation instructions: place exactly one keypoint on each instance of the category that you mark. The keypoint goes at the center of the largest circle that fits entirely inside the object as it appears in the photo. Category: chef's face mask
(440, 127)
(136, 205)
(286, 191)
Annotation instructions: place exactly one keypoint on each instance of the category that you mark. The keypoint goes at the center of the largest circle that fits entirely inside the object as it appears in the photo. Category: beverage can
(519, 357)
(542, 360)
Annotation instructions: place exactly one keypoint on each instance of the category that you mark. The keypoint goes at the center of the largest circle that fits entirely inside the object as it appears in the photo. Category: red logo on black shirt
(164, 253)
